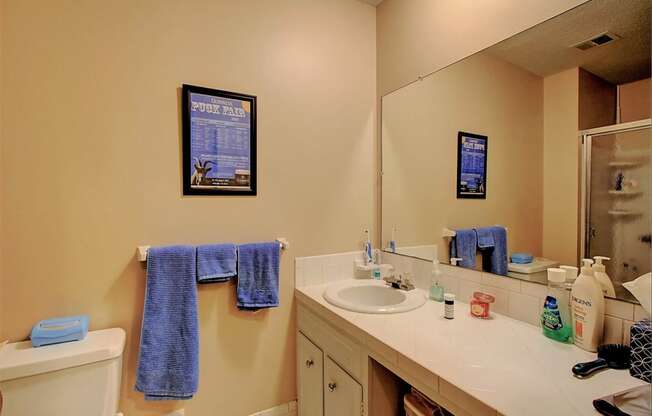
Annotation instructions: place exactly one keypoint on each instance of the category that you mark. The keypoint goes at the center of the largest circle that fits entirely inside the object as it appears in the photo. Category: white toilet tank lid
(20, 359)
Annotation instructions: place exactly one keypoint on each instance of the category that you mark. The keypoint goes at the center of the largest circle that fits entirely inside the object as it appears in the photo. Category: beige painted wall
(417, 37)
(91, 165)
(2, 280)
(635, 100)
(597, 101)
(561, 153)
(483, 95)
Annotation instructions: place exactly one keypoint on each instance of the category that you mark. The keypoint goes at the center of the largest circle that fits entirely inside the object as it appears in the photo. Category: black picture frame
(479, 189)
(196, 180)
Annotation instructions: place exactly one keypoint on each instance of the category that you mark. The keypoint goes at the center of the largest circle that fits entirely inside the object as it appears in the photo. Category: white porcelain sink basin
(373, 297)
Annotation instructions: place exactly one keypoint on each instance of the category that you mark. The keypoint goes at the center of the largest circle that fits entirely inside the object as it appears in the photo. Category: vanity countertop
(505, 363)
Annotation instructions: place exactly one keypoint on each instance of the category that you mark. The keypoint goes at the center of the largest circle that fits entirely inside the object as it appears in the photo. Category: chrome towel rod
(448, 233)
(141, 251)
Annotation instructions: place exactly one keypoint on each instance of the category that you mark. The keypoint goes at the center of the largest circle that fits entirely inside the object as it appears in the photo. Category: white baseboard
(285, 409)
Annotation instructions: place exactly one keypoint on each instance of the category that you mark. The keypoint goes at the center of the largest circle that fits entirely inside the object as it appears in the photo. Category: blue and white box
(641, 344)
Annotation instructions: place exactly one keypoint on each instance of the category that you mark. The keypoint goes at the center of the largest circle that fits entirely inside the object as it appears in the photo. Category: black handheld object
(616, 356)
(605, 408)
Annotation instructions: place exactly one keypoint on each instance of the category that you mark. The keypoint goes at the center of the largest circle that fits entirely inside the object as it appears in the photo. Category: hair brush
(616, 356)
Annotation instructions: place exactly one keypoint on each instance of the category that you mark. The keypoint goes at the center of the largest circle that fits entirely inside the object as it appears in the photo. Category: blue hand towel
(216, 263)
(494, 259)
(465, 245)
(168, 365)
(485, 237)
(258, 271)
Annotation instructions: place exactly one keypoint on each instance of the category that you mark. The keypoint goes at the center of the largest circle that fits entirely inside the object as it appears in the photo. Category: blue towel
(216, 263)
(485, 237)
(168, 366)
(258, 270)
(494, 259)
(522, 258)
(464, 247)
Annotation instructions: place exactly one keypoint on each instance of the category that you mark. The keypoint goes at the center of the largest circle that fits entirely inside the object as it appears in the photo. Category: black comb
(616, 356)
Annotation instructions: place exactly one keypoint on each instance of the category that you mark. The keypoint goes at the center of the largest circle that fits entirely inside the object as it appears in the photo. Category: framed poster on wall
(471, 165)
(219, 142)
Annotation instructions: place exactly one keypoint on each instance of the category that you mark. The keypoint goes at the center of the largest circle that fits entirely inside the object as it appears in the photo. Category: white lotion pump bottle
(602, 277)
(587, 305)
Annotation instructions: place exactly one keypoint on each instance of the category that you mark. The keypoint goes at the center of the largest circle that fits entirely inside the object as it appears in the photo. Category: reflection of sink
(373, 297)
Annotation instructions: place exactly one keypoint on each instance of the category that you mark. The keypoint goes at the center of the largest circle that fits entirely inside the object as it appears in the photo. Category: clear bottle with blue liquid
(436, 289)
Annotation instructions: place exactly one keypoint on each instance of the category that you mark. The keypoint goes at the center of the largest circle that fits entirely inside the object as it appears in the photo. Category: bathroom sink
(373, 297)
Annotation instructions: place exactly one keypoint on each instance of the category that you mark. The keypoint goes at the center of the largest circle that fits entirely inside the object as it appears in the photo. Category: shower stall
(616, 199)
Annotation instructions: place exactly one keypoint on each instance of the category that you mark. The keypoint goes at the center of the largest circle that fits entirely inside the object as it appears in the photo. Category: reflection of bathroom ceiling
(547, 48)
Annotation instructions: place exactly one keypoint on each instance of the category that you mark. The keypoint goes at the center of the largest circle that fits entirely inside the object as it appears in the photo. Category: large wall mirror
(541, 144)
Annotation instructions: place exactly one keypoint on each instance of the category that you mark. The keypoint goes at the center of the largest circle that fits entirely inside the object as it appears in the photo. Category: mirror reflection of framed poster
(471, 165)
(219, 142)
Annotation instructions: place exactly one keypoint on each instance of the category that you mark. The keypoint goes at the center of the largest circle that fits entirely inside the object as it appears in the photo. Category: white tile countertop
(505, 363)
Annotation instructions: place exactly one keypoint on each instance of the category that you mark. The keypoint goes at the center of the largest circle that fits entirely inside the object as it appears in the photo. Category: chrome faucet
(402, 282)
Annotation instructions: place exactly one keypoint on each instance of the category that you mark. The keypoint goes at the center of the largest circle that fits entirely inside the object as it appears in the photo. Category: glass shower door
(618, 183)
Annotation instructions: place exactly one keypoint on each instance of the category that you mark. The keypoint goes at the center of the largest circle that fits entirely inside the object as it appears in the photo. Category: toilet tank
(80, 378)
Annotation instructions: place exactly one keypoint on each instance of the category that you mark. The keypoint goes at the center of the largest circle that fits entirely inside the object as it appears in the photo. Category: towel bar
(447, 232)
(141, 251)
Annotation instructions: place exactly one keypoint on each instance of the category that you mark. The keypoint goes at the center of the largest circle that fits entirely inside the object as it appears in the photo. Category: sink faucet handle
(406, 282)
(392, 280)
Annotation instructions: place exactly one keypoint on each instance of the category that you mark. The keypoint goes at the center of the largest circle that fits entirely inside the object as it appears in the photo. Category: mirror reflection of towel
(485, 237)
(464, 246)
(493, 249)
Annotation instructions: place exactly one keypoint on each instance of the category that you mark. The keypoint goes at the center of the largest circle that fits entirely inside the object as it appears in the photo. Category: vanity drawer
(336, 345)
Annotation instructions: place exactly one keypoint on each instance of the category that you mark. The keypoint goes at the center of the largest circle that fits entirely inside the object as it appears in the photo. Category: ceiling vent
(598, 40)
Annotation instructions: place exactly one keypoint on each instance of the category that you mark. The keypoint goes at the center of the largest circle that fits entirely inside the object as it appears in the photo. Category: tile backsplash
(514, 298)
(317, 270)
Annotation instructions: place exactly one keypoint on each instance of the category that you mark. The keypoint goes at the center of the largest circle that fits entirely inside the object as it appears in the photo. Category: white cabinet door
(310, 385)
(342, 394)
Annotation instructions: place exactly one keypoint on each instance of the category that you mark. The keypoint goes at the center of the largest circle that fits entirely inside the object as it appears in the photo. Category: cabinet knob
(332, 387)
(309, 362)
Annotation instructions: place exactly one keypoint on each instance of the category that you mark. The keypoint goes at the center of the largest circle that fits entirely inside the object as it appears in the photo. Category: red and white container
(479, 304)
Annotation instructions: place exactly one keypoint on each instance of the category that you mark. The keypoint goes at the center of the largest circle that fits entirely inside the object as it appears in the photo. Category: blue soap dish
(522, 258)
(58, 330)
